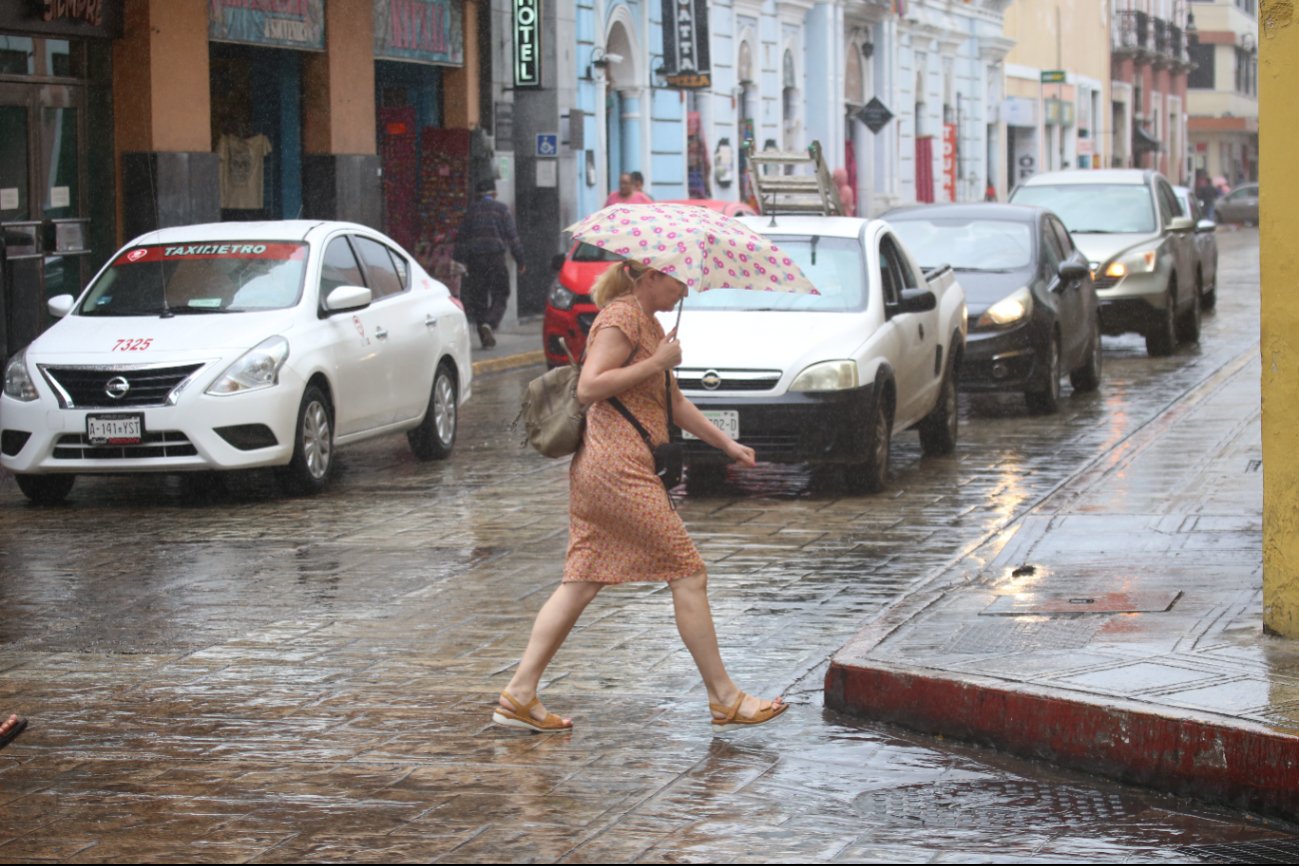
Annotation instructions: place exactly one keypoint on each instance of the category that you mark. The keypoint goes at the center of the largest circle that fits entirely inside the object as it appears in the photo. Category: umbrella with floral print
(700, 247)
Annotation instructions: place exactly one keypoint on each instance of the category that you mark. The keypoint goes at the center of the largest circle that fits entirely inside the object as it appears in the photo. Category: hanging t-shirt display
(242, 162)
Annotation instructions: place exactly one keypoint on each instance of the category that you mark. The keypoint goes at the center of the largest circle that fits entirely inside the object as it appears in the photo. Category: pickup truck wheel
(938, 429)
(1163, 339)
(45, 489)
(872, 476)
(1188, 325)
(436, 434)
(313, 448)
(1047, 400)
(705, 478)
(1088, 376)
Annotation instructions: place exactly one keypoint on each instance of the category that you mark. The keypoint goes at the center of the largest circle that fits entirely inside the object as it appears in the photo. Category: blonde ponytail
(615, 282)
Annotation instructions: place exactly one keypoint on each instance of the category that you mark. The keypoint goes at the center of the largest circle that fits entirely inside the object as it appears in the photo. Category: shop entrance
(45, 234)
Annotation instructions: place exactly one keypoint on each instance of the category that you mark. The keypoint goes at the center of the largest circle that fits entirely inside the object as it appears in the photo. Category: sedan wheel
(1188, 325)
(45, 489)
(1047, 400)
(436, 434)
(1163, 339)
(313, 450)
(1088, 376)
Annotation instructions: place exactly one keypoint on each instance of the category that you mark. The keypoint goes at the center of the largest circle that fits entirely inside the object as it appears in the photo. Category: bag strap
(626, 413)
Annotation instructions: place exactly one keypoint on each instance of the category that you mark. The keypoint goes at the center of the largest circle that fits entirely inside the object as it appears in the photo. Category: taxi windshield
(196, 278)
(833, 264)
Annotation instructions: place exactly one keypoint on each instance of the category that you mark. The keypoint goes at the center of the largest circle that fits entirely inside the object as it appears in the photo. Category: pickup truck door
(918, 370)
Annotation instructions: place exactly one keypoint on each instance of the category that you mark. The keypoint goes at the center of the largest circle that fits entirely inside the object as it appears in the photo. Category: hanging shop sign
(281, 23)
(100, 19)
(527, 43)
(686, 64)
(949, 161)
(875, 115)
(420, 31)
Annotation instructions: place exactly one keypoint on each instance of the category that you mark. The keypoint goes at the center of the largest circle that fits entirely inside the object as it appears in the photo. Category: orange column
(338, 103)
(460, 84)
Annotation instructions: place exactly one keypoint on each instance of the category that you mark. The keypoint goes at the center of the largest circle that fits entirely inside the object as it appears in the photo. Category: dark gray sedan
(1239, 206)
(1033, 309)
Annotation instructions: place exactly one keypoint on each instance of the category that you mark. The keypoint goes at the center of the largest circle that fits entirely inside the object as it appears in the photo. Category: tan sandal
(521, 717)
(731, 715)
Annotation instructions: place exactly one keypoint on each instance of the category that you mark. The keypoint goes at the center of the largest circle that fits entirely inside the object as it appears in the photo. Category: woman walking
(622, 526)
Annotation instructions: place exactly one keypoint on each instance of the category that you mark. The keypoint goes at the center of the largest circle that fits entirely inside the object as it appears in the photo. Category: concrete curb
(508, 362)
(1241, 764)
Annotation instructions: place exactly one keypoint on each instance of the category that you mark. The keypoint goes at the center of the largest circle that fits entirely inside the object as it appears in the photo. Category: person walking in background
(486, 233)
(1206, 192)
(622, 526)
(626, 193)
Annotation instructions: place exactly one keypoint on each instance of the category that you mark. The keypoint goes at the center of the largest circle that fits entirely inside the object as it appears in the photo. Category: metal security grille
(88, 387)
(1280, 851)
(169, 443)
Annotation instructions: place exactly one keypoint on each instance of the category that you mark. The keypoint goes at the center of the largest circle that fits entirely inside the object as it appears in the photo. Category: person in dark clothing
(486, 232)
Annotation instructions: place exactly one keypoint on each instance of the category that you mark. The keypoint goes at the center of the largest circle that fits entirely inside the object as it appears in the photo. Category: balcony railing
(1147, 39)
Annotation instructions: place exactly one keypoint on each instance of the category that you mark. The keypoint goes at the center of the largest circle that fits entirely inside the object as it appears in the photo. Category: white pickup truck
(827, 378)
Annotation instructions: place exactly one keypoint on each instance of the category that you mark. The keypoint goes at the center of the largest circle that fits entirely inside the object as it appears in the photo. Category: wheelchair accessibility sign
(547, 144)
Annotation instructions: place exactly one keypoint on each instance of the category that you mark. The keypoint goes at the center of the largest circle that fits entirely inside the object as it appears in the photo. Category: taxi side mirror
(345, 298)
(60, 305)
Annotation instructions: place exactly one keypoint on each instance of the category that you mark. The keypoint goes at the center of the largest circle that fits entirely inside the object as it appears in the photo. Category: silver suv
(1141, 249)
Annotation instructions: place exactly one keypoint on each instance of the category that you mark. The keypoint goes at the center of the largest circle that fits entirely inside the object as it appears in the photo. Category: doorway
(42, 128)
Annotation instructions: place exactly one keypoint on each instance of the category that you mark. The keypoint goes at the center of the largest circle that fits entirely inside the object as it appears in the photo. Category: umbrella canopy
(700, 247)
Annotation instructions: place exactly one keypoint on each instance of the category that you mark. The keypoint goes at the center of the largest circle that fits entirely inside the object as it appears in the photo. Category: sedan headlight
(18, 383)
(257, 368)
(827, 376)
(561, 298)
(1008, 310)
(1140, 262)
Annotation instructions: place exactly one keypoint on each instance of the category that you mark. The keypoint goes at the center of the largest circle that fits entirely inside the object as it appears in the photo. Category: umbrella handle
(680, 306)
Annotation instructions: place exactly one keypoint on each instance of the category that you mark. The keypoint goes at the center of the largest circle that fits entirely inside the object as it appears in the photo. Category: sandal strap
(729, 713)
(518, 706)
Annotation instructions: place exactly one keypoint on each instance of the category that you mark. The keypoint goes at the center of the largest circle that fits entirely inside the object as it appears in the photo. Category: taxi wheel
(313, 447)
(45, 489)
(436, 434)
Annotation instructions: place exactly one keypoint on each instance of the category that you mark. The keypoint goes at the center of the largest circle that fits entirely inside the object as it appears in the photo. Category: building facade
(1223, 90)
(1151, 48)
(1056, 113)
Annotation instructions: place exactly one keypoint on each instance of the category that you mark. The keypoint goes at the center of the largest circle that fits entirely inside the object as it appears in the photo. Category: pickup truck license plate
(114, 429)
(727, 419)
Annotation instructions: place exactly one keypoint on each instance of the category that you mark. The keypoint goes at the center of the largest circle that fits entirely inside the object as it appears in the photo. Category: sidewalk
(516, 346)
(1117, 627)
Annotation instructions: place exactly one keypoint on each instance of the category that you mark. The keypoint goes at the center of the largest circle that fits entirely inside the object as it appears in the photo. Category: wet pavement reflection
(245, 677)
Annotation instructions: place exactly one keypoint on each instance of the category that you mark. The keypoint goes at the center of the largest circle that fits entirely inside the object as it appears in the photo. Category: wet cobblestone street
(256, 678)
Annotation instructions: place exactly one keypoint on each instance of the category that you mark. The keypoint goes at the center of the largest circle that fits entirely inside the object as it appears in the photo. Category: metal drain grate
(1007, 636)
(1280, 851)
(1011, 805)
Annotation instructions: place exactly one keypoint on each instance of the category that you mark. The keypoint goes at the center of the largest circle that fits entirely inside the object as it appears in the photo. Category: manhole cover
(1280, 851)
(1081, 602)
(1010, 636)
(1011, 805)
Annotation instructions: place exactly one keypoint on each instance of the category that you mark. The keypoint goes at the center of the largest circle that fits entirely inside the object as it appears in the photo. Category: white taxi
(234, 346)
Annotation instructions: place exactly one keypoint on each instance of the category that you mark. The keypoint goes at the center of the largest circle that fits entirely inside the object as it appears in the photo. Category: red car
(569, 308)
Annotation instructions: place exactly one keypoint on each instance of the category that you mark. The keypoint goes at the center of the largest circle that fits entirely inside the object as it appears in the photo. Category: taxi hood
(149, 339)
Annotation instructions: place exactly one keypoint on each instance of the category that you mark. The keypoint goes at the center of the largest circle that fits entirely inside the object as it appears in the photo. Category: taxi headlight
(1008, 310)
(560, 297)
(257, 368)
(827, 376)
(18, 383)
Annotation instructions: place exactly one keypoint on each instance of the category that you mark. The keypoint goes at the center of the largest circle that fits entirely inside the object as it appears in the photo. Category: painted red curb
(1243, 765)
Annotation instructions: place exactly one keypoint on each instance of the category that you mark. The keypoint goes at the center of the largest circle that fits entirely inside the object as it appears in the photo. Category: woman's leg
(695, 623)
(554, 621)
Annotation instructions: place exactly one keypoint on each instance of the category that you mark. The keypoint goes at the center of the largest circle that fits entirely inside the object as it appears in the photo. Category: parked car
(237, 345)
(569, 308)
(1033, 311)
(1238, 206)
(827, 378)
(1206, 247)
(1140, 248)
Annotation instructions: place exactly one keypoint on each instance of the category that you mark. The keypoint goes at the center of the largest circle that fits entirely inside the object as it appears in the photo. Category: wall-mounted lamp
(1191, 31)
(600, 60)
(1247, 42)
(867, 49)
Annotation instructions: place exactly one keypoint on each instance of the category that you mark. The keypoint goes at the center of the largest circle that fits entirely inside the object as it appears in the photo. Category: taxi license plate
(727, 419)
(114, 429)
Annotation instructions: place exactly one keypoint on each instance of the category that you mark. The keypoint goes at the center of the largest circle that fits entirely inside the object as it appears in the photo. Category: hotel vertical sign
(527, 43)
(685, 44)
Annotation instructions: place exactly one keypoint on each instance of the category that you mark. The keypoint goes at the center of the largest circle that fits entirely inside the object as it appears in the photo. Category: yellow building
(1056, 113)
